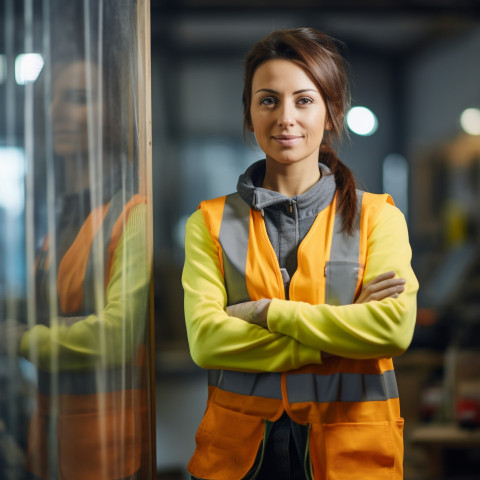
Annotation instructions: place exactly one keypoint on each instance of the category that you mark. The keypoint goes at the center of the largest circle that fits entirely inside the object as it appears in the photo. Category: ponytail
(346, 188)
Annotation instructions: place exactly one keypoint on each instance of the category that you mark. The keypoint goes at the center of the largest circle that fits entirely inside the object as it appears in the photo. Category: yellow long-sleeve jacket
(298, 332)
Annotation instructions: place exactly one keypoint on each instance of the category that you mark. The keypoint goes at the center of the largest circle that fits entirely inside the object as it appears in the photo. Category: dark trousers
(284, 454)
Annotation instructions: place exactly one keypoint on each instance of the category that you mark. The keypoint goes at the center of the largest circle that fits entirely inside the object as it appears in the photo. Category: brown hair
(318, 55)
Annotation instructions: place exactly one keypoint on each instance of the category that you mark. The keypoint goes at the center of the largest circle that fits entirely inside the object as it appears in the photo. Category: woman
(298, 290)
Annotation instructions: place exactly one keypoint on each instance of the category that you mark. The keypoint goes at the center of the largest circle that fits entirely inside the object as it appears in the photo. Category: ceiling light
(28, 67)
(362, 121)
(470, 121)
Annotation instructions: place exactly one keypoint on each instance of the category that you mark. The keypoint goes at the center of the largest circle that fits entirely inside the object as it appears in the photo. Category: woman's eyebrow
(269, 90)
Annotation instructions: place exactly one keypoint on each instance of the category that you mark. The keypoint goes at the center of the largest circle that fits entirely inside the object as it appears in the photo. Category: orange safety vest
(351, 406)
(97, 416)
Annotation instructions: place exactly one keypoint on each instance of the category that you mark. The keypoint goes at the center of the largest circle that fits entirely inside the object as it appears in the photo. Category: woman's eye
(305, 101)
(268, 101)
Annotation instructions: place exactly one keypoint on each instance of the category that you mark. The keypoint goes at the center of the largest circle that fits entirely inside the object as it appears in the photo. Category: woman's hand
(383, 286)
(252, 312)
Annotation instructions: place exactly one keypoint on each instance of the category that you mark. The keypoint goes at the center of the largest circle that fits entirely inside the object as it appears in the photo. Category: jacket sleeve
(368, 330)
(217, 340)
(113, 336)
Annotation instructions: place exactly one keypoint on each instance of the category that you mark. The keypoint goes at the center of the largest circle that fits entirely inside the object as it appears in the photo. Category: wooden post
(145, 188)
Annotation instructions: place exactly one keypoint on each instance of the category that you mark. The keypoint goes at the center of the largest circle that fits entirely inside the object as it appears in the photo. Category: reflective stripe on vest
(341, 272)
(308, 387)
(93, 381)
(341, 387)
(266, 385)
(343, 263)
(233, 237)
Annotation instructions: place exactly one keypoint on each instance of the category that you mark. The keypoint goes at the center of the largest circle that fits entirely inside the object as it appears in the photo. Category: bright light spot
(3, 68)
(12, 180)
(470, 121)
(28, 67)
(362, 121)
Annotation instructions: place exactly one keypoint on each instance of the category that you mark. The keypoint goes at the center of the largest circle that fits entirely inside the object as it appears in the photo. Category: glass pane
(75, 241)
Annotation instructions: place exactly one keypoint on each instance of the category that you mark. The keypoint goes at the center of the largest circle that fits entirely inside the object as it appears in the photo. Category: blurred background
(415, 73)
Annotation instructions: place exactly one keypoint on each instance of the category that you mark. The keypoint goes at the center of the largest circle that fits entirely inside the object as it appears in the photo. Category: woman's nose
(286, 116)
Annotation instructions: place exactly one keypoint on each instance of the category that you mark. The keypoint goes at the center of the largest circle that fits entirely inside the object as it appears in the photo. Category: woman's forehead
(74, 74)
(284, 74)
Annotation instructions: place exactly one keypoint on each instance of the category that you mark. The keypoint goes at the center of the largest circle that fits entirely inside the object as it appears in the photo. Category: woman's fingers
(383, 276)
(386, 285)
(383, 286)
(387, 291)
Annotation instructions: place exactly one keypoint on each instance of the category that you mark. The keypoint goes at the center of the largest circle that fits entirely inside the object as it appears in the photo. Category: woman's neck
(292, 179)
(77, 176)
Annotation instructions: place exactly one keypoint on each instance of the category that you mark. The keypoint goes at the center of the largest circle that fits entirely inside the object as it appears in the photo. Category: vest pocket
(373, 450)
(341, 281)
(227, 444)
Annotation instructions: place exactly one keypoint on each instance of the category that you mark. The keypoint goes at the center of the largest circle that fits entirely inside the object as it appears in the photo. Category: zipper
(294, 213)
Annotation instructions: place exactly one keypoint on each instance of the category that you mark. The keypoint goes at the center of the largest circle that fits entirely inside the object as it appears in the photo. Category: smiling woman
(298, 290)
(288, 124)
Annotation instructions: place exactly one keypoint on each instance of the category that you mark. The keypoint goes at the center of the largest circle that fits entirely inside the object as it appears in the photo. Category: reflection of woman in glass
(89, 422)
(298, 290)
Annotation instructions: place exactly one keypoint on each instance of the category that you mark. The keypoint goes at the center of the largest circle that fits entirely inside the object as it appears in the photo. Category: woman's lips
(287, 140)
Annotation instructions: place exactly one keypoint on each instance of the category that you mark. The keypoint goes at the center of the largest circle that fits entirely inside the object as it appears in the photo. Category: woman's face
(288, 113)
(69, 109)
